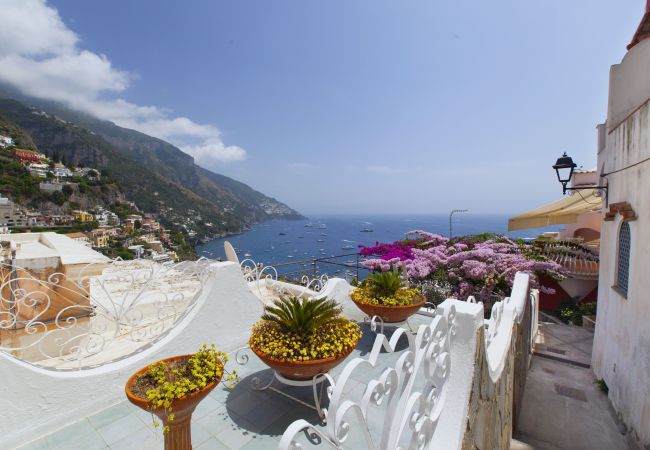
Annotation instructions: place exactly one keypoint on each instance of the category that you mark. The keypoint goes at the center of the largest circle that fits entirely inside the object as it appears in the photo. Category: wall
(496, 396)
(36, 402)
(621, 354)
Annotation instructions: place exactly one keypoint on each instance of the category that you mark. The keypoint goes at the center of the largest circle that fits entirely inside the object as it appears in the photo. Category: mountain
(156, 175)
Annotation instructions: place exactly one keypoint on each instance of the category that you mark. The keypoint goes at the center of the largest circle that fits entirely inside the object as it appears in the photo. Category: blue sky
(339, 106)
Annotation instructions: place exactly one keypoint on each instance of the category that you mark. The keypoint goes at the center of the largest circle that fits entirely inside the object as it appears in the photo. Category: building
(621, 352)
(100, 237)
(50, 187)
(10, 214)
(27, 156)
(32, 259)
(83, 216)
(79, 237)
(6, 141)
(61, 171)
(39, 170)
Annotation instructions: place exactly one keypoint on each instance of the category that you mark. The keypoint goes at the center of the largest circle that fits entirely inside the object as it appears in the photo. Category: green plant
(385, 284)
(301, 330)
(164, 382)
(294, 315)
(602, 385)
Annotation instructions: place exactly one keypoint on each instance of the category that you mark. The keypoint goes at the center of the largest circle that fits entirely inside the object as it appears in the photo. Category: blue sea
(292, 241)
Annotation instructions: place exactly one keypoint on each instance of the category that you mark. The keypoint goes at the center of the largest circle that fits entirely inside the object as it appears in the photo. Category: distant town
(120, 230)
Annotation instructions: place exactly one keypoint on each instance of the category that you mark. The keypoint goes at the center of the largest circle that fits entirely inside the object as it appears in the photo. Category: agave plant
(386, 284)
(303, 316)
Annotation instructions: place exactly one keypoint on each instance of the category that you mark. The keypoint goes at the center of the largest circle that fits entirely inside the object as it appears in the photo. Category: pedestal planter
(392, 314)
(179, 436)
(303, 370)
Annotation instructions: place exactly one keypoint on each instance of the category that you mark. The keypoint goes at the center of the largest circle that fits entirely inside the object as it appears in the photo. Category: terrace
(461, 378)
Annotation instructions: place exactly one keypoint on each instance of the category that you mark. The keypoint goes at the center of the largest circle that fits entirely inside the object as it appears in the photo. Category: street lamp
(451, 215)
(564, 167)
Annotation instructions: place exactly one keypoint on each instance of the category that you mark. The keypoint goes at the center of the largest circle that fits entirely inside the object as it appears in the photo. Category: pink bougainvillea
(483, 266)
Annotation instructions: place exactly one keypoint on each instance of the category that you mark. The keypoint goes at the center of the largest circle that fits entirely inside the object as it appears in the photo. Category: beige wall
(621, 354)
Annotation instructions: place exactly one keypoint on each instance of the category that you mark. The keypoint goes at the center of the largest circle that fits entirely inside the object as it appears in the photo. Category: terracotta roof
(643, 31)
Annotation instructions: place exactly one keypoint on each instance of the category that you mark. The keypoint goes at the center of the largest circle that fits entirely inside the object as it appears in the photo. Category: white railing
(262, 278)
(404, 405)
(410, 394)
(84, 317)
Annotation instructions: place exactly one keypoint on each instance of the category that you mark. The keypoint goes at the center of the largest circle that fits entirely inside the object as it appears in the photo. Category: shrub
(301, 330)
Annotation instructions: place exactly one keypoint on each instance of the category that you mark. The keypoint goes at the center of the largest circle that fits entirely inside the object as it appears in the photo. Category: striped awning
(565, 210)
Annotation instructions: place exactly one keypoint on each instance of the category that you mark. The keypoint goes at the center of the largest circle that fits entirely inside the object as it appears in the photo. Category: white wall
(35, 402)
(621, 354)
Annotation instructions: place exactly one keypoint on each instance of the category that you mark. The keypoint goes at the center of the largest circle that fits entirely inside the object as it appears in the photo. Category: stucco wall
(621, 353)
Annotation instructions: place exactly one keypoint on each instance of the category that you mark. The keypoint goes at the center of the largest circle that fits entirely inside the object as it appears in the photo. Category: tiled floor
(240, 418)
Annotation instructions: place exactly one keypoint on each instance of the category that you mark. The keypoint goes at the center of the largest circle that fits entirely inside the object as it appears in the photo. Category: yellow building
(100, 238)
(83, 216)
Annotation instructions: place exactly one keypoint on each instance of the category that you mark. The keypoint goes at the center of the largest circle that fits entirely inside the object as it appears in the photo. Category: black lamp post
(564, 167)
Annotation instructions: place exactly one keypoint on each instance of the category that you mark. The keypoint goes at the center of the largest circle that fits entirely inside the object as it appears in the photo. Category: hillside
(157, 176)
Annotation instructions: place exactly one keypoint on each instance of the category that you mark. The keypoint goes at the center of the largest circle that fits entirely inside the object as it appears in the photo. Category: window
(623, 267)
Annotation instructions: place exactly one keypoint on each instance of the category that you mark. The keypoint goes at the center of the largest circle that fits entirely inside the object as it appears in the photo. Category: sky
(339, 106)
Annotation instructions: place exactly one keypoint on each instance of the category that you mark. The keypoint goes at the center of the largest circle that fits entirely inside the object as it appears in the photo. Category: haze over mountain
(156, 175)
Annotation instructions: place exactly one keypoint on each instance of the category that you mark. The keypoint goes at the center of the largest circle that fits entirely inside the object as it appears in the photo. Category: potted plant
(173, 387)
(301, 338)
(383, 295)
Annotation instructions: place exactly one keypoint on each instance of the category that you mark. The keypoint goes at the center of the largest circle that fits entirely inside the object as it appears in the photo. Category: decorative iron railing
(76, 318)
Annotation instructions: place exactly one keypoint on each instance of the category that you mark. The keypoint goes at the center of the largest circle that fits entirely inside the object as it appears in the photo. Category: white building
(10, 214)
(62, 172)
(621, 353)
(6, 141)
(38, 170)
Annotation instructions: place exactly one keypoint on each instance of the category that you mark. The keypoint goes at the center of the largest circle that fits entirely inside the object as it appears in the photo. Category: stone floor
(563, 409)
(568, 342)
(238, 418)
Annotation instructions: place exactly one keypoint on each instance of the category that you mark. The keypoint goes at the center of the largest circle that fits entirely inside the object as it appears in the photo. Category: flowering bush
(482, 265)
(303, 330)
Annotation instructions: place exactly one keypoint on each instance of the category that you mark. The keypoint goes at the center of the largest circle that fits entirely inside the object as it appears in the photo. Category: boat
(347, 247)
(320, 240)
(309, 225)
(247, 255)
(282, 234)
(323, 234)
(301, 237)
(367, 230)
(322, 226)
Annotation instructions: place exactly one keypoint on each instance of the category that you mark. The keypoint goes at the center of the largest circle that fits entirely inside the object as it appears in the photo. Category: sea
(290, 244)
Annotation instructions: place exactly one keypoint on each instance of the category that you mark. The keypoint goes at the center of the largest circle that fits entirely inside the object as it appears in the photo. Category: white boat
(347, 247)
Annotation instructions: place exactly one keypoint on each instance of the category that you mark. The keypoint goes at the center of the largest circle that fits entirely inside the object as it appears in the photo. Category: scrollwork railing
(409, 395)
(76, 318)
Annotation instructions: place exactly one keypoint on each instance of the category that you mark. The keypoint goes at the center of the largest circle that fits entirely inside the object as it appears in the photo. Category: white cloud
(41, 57)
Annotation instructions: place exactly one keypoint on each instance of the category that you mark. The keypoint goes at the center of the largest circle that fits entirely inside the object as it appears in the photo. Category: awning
(566, 210)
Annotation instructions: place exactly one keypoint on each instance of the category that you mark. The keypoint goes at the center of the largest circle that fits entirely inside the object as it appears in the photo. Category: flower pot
(303, 370)
(392, 314)
(179, 436)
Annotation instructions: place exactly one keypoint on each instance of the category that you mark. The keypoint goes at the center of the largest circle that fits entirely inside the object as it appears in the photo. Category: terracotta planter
(179, 436)
(303, 370)
(392, 314)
